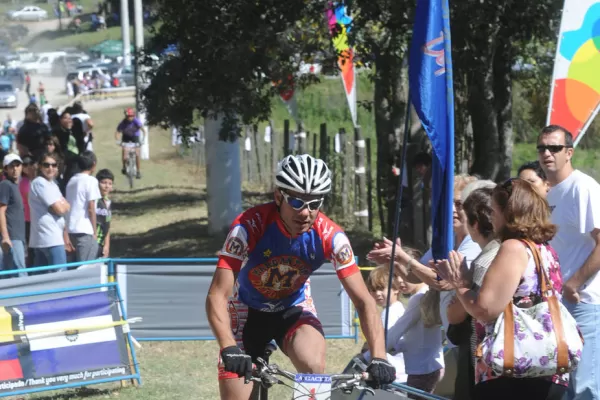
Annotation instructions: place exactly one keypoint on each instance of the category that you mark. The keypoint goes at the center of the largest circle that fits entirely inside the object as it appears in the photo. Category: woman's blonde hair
(461, 181)
(379, 277)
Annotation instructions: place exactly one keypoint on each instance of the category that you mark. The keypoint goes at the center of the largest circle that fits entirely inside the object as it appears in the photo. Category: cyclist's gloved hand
(381, 372)
(235, 360)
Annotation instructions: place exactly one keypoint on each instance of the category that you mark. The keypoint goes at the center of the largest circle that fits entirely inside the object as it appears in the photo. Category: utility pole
(125, 33)
(138, 14)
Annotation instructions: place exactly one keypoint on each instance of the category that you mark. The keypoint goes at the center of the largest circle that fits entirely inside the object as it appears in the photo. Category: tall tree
(232, 51)
(488, 39)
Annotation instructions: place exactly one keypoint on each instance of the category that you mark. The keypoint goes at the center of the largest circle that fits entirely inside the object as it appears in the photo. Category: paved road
(55, 88)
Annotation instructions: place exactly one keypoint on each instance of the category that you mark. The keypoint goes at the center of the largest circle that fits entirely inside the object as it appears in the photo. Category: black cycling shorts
(254, 329)
(130, 139)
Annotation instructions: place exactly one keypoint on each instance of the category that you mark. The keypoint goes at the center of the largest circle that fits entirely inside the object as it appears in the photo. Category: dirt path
(41, 26)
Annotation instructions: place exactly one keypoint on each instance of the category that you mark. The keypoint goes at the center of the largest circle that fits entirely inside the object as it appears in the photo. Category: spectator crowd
(54, 206)
(523, 273)
(518, 299)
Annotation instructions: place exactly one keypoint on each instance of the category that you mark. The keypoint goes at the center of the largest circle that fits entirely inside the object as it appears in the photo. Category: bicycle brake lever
(366, 388)
(268, 380)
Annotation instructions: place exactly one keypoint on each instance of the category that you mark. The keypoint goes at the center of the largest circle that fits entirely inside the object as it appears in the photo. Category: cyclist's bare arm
(216, 306)
(370, 320)
(144, 132)
(117, 134)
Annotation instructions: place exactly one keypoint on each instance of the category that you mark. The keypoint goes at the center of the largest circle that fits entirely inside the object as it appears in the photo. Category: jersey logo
(279, 277)
(252, 224)
(344, 255)
(234, 246)
(327, 230)
(234, 318)
(267, 253)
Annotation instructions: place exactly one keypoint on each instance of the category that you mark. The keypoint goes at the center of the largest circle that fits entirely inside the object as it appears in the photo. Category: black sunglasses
(48, 165)
(552, 148)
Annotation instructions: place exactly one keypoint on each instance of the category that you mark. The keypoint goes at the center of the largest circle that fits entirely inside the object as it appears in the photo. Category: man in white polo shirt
(574, 199)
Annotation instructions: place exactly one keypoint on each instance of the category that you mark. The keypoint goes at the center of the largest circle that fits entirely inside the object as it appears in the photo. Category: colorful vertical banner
(340, 24)
(77, 339)
(432, 95)
(575, 91)
(287, 94)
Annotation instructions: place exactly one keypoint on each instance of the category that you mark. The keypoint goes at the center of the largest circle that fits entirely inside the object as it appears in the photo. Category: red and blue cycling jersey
(272, 266)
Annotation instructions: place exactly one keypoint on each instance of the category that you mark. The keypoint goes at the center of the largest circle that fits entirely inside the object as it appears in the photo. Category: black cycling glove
(381, 372)
(236, 361)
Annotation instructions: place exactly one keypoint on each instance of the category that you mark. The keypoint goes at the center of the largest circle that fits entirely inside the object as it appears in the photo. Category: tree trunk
(503, 97)
(463, 130)
(390, 103)
(484, 118)
(223, 180)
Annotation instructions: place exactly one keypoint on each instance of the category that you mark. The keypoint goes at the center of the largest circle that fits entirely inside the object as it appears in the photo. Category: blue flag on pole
(432, 95)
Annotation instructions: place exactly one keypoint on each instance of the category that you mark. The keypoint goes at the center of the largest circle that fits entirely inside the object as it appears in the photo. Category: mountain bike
(130, 165)
(346, 386)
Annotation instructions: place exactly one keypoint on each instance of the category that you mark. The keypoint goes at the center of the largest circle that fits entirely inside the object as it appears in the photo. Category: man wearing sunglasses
(269, 255)
(574, 199)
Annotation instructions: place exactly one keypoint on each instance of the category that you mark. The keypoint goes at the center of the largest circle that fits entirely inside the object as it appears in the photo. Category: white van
(42, 62)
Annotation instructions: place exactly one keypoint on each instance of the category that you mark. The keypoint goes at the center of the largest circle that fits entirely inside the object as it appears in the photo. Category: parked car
(8, 95)
(97, 62)
(42, 63)
(16, 76)
(27, 13)
(66, 63)
(80, 72)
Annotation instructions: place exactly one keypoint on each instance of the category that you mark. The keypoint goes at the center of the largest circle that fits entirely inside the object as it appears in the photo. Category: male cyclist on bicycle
(131, 129)
(273, 249)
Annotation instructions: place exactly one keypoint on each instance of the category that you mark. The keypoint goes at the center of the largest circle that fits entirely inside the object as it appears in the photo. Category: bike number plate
(313, 386)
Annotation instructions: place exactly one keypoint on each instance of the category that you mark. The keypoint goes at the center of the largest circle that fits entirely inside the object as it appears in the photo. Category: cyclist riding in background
(131, 129)
(269, 255)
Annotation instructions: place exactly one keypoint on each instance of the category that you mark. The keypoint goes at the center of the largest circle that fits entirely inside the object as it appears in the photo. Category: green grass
(187, 370)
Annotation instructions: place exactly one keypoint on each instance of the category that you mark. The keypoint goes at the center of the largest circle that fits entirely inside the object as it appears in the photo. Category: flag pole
(398, 211)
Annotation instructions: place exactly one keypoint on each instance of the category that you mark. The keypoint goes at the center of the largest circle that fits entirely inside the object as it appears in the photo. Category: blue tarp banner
(70, 340)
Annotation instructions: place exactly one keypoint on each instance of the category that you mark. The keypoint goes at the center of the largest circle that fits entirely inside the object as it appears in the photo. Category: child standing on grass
(378, 287)
(103, 211)
(421, 346)
(82, 193)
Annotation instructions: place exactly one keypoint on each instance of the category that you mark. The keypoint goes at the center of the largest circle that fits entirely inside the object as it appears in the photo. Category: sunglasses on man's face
(48, 165)
(299, 204)
(552, 148)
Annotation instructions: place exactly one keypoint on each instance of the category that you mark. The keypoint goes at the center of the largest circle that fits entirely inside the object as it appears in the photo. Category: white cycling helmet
(303, 174)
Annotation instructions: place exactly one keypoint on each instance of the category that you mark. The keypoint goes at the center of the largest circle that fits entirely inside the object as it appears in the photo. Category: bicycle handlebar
(266, 374)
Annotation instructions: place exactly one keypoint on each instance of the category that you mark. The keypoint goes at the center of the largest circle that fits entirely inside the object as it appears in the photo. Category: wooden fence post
(286, 137)
(257, 152)
(323, 144)
(369, 186)
(359, 162)
(314, 152)
(344, 175)
(248, 154)
(272, 153)
(300, 139)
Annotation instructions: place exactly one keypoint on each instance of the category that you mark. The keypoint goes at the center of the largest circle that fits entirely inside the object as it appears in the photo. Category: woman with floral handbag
(528, 342)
